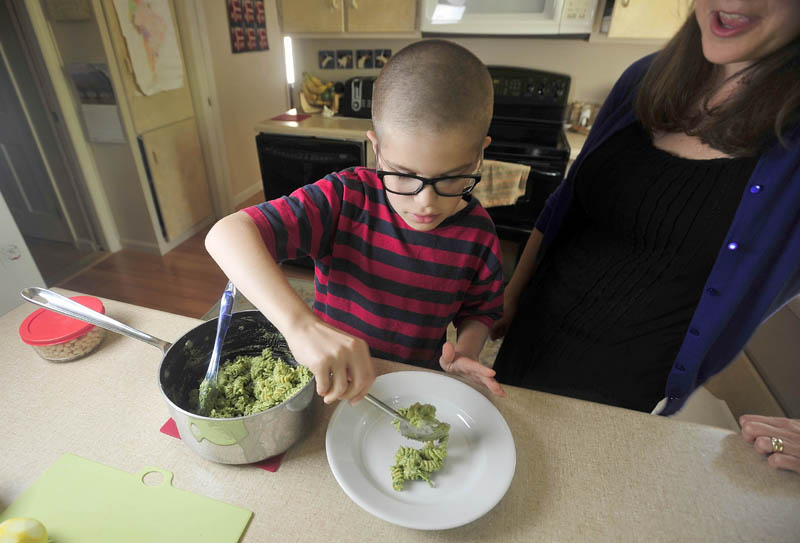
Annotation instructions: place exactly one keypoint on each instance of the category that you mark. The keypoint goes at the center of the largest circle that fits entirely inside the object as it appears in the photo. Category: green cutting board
(80, 501)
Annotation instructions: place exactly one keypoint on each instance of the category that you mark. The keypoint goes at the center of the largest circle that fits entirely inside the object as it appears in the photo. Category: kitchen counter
(576, 141)
(317, 125)
(585, 472)
(351, 128)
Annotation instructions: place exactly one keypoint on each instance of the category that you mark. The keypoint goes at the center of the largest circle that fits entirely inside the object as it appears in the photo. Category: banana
(306, 106)
(308, 91)
(314, 83)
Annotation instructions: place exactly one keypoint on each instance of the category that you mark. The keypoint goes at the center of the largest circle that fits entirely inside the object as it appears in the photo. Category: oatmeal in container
(59, 338)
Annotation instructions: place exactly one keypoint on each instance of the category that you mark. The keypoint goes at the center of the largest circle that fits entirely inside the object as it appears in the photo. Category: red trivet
(270, 464)
(290, 117)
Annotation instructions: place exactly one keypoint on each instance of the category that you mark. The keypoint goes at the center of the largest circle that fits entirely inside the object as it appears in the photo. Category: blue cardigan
(757, 269)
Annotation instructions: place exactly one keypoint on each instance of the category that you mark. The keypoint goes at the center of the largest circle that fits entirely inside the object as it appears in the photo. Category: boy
(400, 252)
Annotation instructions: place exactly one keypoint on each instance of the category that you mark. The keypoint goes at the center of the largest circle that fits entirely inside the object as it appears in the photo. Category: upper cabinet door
(312, 15)
(381, 15)
(648, 19)
(161, 108)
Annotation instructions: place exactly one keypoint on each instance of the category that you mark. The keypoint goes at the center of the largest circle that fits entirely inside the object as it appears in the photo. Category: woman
(676, 231)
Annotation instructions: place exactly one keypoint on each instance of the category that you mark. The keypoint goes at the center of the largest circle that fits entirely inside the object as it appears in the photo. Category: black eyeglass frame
(431, 181)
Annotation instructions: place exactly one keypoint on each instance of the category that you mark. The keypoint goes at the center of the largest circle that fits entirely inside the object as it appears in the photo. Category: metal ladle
(209, 387)
(430, 431)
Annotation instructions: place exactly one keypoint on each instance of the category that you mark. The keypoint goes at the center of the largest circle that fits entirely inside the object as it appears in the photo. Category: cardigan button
(755, 189)
(711, 291)
(680, 367)
(733, 246)
(694, 332)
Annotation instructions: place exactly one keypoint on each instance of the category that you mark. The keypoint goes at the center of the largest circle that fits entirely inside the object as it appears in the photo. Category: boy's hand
(454, 362)
(340, 362)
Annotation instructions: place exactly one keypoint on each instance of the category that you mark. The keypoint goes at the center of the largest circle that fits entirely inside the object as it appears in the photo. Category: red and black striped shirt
(377, 278)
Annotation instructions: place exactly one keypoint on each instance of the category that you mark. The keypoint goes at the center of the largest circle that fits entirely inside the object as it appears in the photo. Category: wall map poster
(152, 44)
(247, 20)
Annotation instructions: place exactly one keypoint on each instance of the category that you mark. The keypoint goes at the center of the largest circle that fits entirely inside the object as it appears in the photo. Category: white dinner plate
(361, 443)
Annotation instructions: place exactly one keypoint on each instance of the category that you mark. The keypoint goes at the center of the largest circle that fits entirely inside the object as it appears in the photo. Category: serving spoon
(209, 386)
(429, 431)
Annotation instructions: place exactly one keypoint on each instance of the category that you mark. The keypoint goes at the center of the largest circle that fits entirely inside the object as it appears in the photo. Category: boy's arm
(463, 358)
(483, 304)
(340, 362)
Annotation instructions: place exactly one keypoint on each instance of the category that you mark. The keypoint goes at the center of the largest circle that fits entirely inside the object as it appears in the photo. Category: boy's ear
(486, 141)
(373, 138)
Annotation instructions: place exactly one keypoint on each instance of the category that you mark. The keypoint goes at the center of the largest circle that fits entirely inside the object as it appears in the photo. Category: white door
(25, 181)
(17, 268)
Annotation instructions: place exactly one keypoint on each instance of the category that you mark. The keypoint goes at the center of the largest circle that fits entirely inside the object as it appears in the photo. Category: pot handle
(58, 303)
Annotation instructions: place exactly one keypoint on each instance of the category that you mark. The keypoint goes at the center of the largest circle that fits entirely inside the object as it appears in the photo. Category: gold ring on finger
(777, 444)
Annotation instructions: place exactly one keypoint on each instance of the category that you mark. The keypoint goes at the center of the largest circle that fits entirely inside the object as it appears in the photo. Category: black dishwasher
(290, 162)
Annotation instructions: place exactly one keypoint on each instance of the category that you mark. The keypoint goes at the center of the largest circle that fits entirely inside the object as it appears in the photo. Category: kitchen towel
(501, 183)
(270, 464)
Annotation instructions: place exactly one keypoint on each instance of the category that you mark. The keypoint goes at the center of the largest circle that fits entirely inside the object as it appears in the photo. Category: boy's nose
(427, 196)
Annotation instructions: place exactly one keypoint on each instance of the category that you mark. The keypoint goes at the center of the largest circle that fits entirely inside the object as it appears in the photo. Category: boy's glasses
(407, 184)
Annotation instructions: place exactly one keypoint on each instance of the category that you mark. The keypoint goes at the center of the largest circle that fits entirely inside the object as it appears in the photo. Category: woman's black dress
(608, 307)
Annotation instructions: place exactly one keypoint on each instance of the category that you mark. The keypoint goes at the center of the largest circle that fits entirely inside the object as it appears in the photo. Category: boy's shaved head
(433, 85)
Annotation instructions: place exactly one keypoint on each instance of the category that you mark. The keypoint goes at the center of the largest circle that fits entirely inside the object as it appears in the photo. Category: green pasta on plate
(418, 464)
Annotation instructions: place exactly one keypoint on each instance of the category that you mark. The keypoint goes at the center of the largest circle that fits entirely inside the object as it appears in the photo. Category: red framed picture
(247, 20)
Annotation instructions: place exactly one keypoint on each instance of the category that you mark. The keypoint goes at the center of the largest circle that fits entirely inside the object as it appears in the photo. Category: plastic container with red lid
(60, 338)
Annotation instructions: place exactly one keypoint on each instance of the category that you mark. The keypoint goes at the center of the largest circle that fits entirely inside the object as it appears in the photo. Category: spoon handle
(59, 304)
(225, 311)
(383, 407)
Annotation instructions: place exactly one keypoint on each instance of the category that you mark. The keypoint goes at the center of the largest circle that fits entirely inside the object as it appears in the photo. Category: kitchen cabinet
(172, 166)
(178, 178)
(647, 19)
(352, 16)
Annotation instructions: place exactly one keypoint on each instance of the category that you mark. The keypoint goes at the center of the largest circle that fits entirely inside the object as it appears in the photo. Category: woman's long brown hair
(675, 92)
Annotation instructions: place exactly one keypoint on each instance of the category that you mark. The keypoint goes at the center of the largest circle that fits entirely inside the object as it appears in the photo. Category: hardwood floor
(185, 281)
(57, 261)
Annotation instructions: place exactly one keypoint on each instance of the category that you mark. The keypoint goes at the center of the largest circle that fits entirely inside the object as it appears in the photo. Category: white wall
(17, 268)
(593, 66)
(249, 87)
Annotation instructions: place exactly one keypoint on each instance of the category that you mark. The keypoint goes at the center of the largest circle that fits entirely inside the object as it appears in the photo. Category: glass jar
(59, 338)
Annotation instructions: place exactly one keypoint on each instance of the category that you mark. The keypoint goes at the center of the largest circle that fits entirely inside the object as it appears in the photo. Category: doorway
(41, 186)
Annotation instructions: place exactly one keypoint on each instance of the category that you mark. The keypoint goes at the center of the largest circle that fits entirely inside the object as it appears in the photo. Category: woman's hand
(472, 370)
(510, 305)
(760, 431)
(341, 363)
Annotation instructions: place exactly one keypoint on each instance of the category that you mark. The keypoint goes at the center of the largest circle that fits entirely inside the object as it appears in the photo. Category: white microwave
(508, 17)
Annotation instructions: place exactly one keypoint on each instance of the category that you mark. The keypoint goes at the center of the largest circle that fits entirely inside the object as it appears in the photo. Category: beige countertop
(576, 142)
(585, 472)
(317, 125)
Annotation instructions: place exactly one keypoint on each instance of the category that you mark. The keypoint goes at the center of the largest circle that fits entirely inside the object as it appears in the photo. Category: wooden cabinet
(172, 167)
(381, 15)
(353, 16)
(177, 172)
(647, 19)
(312, 15)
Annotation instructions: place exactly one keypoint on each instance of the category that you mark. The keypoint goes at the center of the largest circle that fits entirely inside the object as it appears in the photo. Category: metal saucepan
(239, 440)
